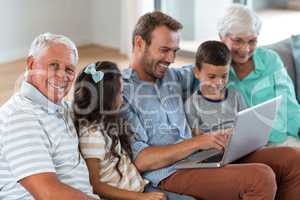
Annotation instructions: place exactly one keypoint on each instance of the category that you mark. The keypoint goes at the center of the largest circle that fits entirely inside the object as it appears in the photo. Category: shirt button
(60, 110)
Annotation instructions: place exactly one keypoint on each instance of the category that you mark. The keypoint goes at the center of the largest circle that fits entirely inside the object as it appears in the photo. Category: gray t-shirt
(210, 115)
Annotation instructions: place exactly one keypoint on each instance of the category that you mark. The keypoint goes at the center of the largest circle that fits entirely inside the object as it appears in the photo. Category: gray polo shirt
(38, 136)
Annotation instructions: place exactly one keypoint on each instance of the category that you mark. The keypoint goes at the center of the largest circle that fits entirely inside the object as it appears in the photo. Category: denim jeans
(169, 195)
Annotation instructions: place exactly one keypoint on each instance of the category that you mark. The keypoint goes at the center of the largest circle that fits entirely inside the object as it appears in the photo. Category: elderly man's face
(160, 53)
(53, 71)
(241, 46)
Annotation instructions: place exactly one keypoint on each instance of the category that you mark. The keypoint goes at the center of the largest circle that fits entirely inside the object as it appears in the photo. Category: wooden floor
(11, 74)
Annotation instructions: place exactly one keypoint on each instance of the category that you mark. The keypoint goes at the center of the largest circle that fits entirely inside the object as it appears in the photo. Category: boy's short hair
(214, 53)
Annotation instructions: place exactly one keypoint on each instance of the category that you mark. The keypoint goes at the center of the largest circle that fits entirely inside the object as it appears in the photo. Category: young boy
(213, 106)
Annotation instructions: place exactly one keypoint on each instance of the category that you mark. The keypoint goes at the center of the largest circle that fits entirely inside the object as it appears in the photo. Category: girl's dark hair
(94, 106)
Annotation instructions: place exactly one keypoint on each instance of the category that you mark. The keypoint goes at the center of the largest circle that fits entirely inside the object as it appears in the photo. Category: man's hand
(213, 140)
(156, 157)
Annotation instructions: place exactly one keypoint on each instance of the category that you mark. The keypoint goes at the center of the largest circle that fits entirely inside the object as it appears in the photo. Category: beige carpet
(11, 74)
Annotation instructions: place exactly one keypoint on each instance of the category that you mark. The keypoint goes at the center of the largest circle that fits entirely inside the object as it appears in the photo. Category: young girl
(104, 136)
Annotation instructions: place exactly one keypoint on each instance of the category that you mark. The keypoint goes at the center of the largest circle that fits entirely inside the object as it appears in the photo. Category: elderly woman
(259, 73)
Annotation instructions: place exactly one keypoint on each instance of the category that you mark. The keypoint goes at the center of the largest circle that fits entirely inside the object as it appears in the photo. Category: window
(280, 18)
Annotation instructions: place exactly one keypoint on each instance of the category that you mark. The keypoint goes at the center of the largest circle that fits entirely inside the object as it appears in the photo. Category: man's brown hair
(149, 21)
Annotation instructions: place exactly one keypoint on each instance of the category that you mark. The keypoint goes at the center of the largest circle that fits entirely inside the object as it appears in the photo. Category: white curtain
(131, 10)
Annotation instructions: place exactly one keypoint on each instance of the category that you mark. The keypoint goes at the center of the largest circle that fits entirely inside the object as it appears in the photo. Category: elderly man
(39, 157)
(155, 93)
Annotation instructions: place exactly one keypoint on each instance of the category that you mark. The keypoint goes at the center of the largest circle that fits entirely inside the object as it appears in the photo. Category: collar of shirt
(130, 73)
(258, 67)
(126, 73)
(32, 93)
(213, 100)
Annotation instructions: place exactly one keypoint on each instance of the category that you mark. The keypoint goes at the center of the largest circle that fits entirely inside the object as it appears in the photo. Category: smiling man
(154, 95)
(39, 156)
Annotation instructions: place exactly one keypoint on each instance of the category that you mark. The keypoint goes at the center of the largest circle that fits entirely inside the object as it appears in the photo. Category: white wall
(131, 10)
(22, 20)
(199, 18)
(105, 22)
(84, 21)
(207, 15)
(184, 12)
(107, 17)
(89, 21)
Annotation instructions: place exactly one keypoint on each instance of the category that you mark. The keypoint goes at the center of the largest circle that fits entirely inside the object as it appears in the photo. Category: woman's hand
(152, 196)
(213, 140)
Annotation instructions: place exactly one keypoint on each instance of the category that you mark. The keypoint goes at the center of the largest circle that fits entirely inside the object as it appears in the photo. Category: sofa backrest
(284, 49)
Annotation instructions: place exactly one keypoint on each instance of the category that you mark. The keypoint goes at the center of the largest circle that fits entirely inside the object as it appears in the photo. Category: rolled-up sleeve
(289, 107)
(289, 113)
(139, 141)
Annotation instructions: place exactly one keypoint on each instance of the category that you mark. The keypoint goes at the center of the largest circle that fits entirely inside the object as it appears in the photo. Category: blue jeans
(169, 195)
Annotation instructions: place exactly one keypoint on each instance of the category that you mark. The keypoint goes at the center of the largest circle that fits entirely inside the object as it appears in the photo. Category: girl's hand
(152, 196)
(91, 198)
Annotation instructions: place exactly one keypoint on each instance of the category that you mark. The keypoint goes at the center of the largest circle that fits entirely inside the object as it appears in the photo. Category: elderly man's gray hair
(239, 19)
(43, 41)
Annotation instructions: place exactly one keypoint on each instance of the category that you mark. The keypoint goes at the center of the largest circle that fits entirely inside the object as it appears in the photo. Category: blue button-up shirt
(156, 114)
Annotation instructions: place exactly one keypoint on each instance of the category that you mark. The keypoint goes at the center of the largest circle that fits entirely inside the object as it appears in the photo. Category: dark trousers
(169, 195)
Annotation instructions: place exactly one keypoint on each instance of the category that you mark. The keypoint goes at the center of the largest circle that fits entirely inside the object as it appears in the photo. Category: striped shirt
(38, 136)
(94, 143)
